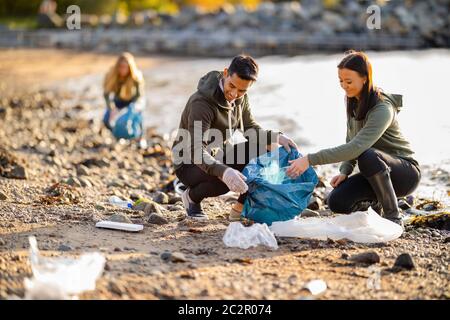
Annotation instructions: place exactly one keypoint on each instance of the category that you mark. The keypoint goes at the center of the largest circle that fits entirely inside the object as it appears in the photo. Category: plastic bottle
(119, 202)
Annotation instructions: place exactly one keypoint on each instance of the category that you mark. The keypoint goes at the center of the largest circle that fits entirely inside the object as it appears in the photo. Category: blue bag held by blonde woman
(127, 124)
(272, 195)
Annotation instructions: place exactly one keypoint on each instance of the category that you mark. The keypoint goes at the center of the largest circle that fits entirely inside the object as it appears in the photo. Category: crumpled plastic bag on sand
(237, 235)
(364, 227)
(61, 278)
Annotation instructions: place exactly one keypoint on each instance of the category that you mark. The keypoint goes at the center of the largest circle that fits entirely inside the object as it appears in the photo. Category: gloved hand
(235, 180)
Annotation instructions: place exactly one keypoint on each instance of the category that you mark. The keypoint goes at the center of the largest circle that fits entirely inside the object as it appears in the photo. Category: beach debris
(237, 235)
(374, 279)
(361, 226)
(316, 287)
(115, 200)
(439, 221)
(60, 193)
(61, 278)
(430, 205)
(131, 227)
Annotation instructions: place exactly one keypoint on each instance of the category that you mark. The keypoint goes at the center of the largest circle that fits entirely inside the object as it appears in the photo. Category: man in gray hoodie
(217, 122)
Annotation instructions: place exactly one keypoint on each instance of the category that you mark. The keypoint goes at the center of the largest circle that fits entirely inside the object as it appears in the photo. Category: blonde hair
(128, 88)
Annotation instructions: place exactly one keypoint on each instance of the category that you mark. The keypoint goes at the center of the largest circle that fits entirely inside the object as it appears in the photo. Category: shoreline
(71, 168)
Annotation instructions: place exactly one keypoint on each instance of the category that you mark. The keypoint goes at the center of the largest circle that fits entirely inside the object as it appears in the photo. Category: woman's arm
(379, 119)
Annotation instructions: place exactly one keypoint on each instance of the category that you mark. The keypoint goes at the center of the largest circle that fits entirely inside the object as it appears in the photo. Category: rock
(18, 172)
(174, 198)
(153, 207)
(115, 288)
(370, 257)
(315, 203)
(307, 213)
(345, 256)
(155, 218)
(83, 170)
(95, 162)
(64, 247)
(119, 217)
(447, 240)
(3, 196)
(403, 204)
(178, 257)
(161, 197)
(165, 256)
(74, 182)
(404, 261)
(174, 257)
(436, 234)
(85, 182)
(2, 242)
(100, 207)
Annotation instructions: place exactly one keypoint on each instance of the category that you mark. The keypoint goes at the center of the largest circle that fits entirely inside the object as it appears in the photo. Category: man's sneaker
(193, 210)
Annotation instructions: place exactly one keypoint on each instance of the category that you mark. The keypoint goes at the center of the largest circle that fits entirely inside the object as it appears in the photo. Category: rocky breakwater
(272, 28)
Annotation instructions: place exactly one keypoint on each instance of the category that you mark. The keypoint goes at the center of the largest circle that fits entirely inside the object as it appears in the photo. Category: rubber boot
(384, 190)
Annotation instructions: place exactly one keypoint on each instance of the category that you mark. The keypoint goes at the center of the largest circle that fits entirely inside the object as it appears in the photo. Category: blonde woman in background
(124, 96)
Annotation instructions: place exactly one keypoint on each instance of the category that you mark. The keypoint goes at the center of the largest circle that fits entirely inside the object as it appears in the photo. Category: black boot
(384, 190)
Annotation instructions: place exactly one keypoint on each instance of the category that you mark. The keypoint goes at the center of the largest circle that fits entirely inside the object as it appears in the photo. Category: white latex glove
(235, 180)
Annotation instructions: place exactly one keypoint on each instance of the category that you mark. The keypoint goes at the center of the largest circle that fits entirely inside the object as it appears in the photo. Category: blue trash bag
(128, 125)
(272, 195)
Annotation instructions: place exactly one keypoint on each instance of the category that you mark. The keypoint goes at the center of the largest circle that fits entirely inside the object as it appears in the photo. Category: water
(301, 96)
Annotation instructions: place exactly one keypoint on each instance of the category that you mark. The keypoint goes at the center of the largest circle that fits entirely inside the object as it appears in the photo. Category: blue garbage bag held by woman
(272, 195)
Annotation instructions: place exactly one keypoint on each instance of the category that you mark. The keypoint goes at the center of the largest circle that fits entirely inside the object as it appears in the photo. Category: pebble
(307, 213)
(174, 257)
(173, 199)
(83, 171)
(64, 247)
(100, 207)
(161, 197)
(74, 182)
(155, 218)
(19, 172)
(153, 207)
(3, 196)
(404, 261)
(120, 217)
(369, 257)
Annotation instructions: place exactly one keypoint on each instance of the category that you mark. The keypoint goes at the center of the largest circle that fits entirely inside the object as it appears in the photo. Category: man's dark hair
(245, 67)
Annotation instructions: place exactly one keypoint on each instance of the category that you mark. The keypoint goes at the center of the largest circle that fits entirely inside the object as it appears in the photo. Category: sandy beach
(50, 127)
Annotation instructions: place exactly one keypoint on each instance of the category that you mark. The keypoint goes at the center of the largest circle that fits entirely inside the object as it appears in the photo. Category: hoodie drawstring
(230, 127)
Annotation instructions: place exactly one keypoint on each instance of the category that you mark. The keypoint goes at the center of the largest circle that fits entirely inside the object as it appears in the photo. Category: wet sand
(50, 137)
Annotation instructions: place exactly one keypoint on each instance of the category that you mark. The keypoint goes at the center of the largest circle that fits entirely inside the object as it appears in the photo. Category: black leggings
(203, 185)
(405, 177)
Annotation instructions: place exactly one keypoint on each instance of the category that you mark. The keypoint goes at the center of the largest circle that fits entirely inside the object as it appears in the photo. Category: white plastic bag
(61, 278)
(364, 227)
(243, 237)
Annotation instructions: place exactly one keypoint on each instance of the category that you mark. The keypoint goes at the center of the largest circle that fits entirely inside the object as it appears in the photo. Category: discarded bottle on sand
(119, 202)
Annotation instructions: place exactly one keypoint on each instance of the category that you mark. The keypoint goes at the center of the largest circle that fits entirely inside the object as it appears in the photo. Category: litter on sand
(62, 278)
(119, 226)
(237, 235)
(361, 226)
